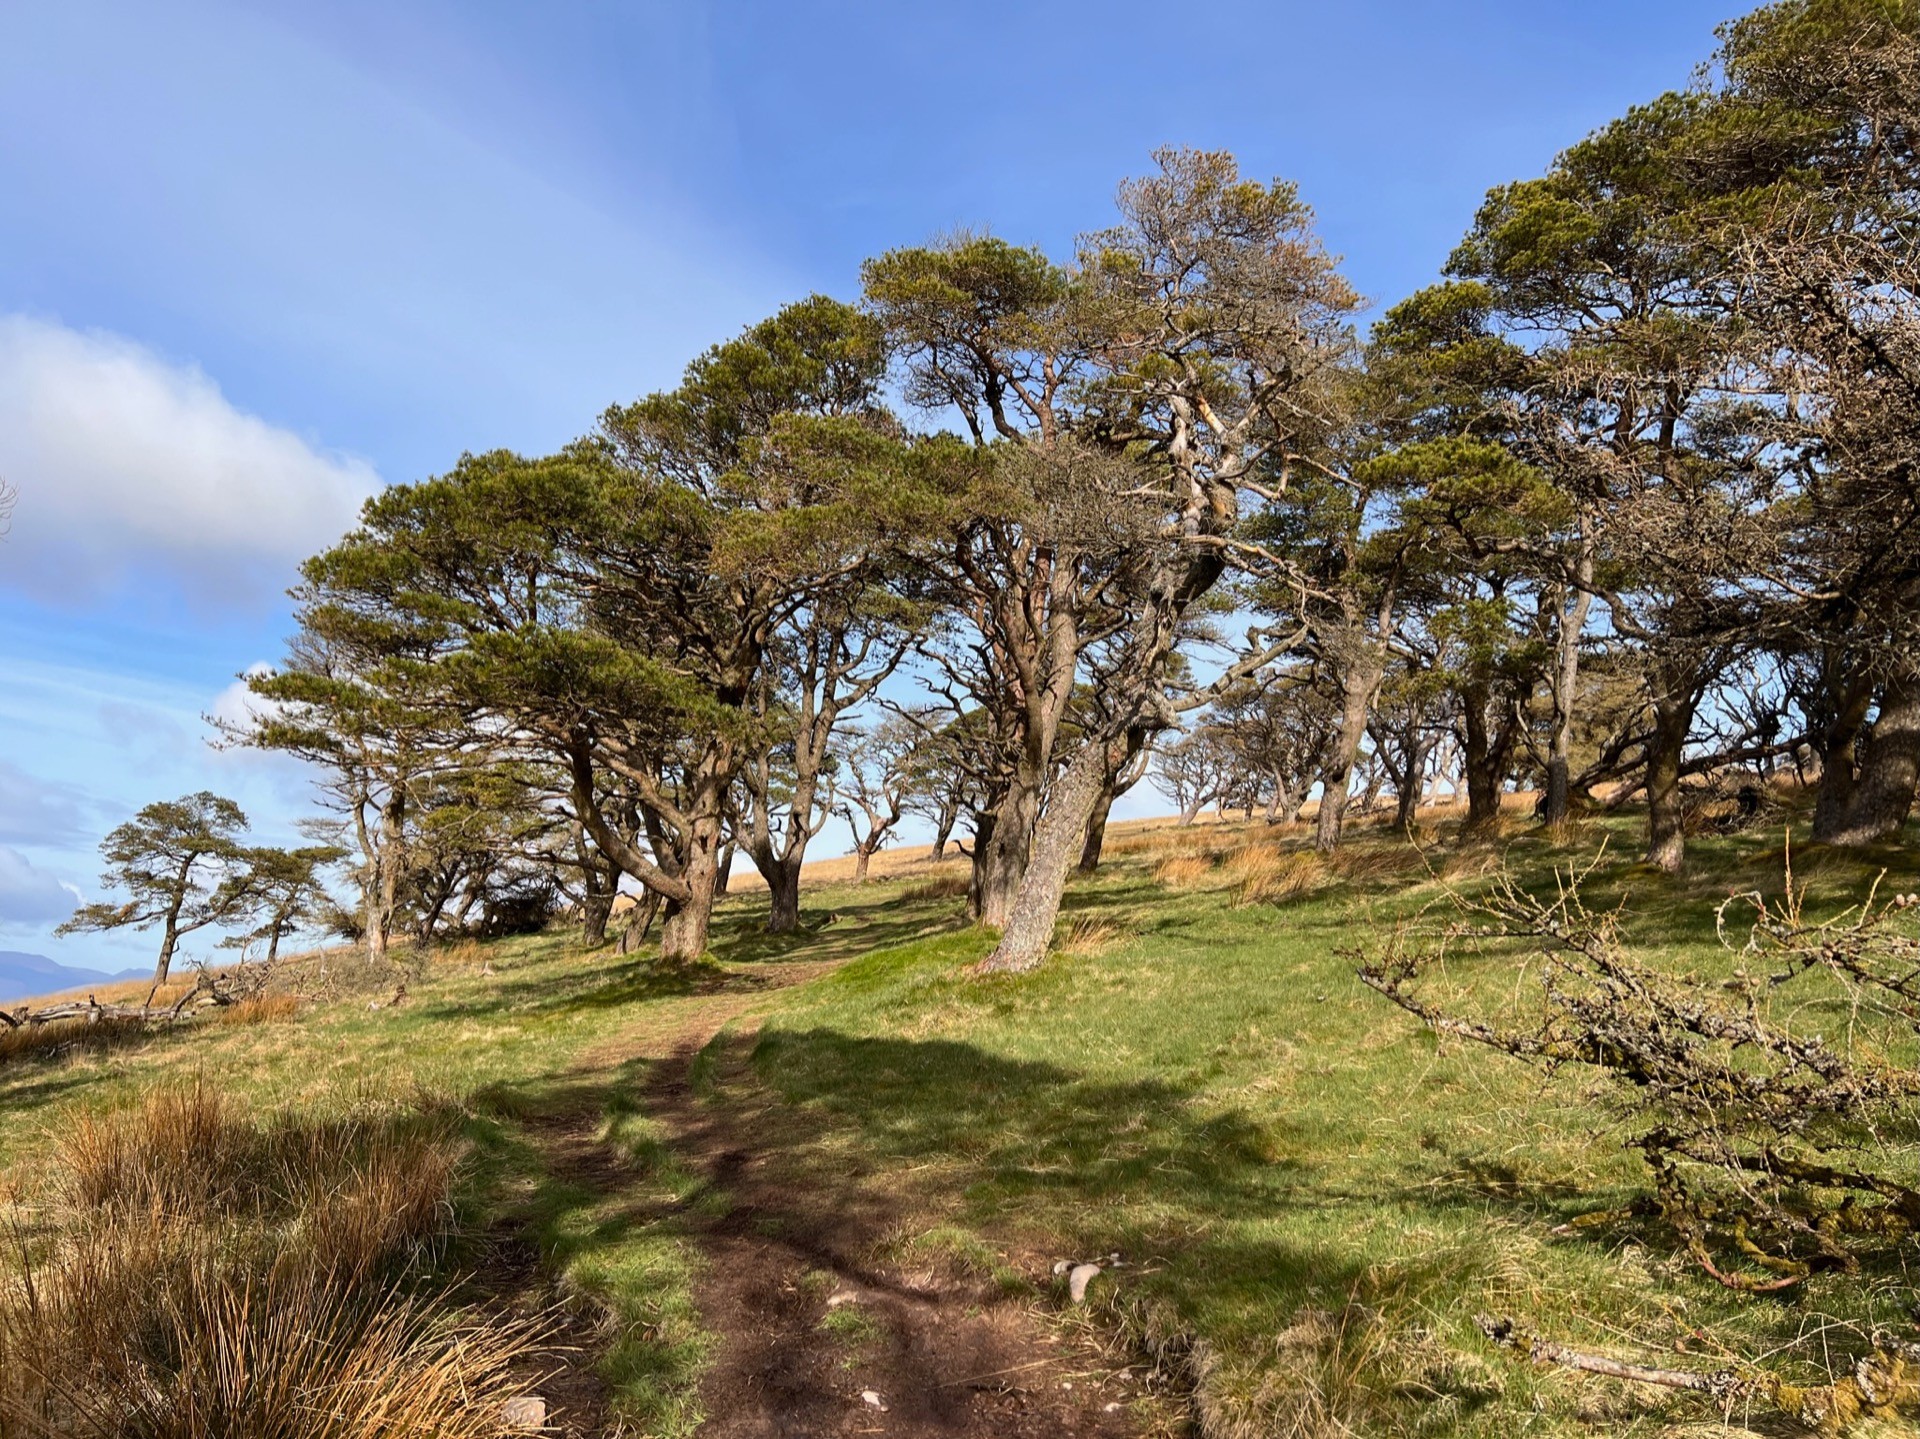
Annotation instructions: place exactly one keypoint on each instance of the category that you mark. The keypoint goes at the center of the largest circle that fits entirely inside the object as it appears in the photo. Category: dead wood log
(1884, 1384)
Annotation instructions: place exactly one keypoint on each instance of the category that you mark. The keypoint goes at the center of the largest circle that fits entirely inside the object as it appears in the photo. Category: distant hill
(26, 976)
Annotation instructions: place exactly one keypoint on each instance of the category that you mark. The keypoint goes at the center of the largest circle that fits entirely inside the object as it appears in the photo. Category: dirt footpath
(818, 1334)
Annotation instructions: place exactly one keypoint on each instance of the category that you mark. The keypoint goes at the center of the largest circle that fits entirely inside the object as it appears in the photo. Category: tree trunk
(683, 934)
(1407, 787)
(862, 857)
(1480, 762)
(1666, 816)
(168, 941)
(1841, 750)
(1883, 774)
(1029, 928)
(384, 895)
(594, 912)
(725, 870)
(1336, 775)
(783, 891)
(943, 830)
(1558, 806)
(1002, 861)
(1096, 830)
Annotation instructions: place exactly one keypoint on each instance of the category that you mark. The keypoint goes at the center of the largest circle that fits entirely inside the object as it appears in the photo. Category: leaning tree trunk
(1336, 775)
(1061, 834)
(1879, 795)
(943, 831)
(1666, 812)
(1096, 838)
(169, 940)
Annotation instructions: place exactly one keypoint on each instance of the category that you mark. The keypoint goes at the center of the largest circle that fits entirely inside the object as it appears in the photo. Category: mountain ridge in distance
(28, 976)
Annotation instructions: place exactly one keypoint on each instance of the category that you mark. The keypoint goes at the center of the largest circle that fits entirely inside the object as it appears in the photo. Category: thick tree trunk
(1481, 761)
(595, 910)
(1002, 856)
(1061, 833)
(1336, 775)
(1407, 788)
(683, 934)
(1666, 815)
(1096, 838)
(1841, 750)
(783, 890)
(862, 857)
(1883, 773)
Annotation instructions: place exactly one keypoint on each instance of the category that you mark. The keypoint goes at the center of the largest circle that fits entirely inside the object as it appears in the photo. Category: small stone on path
(525, 1413)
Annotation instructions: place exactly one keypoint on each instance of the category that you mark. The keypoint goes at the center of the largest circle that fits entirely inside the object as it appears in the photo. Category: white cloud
(131, 467)
(30, 895)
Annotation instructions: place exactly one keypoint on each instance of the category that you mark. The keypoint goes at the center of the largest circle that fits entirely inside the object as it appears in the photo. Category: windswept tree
(284, 892)
(182, 865)
(1182, 359)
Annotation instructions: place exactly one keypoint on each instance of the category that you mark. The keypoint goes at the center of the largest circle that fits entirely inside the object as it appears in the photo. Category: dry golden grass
(1261, 874)
(194, 1273)
(1184, 872)
(1090, 935)
(261, 1009)
(1364, 864)
(952, 884)
(46, 1040)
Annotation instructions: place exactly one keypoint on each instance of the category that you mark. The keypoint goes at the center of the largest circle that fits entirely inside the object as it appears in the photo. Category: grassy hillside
(1310, 1196)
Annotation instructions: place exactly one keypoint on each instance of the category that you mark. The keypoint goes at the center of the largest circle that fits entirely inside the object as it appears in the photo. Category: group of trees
(1629, 500)
(1625, 503)
(185, 866)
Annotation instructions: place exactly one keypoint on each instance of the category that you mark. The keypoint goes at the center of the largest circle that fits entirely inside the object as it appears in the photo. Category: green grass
(1313, 1197)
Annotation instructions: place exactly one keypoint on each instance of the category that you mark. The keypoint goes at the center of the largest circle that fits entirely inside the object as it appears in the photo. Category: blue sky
(257, 259)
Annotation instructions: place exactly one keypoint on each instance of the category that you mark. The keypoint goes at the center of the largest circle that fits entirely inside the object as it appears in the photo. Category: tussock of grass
(194, 1273)
(1262, 874)
(1184, 872)
(1090, 934)
(261, 1009)
(953, 885)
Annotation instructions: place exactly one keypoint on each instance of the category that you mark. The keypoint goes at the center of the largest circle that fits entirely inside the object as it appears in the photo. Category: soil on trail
(818, 1335)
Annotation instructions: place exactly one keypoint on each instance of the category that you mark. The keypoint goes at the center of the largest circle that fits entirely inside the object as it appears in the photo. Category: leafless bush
(1773, 1151)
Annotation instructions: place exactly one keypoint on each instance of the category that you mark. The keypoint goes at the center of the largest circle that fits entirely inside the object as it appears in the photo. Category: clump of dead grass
(260, 1009)
(953, 885)
(196, 1271)
(1264, 875)
(1372, 864)
(1183, 872)
(1089, 935)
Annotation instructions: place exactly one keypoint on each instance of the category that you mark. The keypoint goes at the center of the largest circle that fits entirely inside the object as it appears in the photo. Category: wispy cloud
(134, 469)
